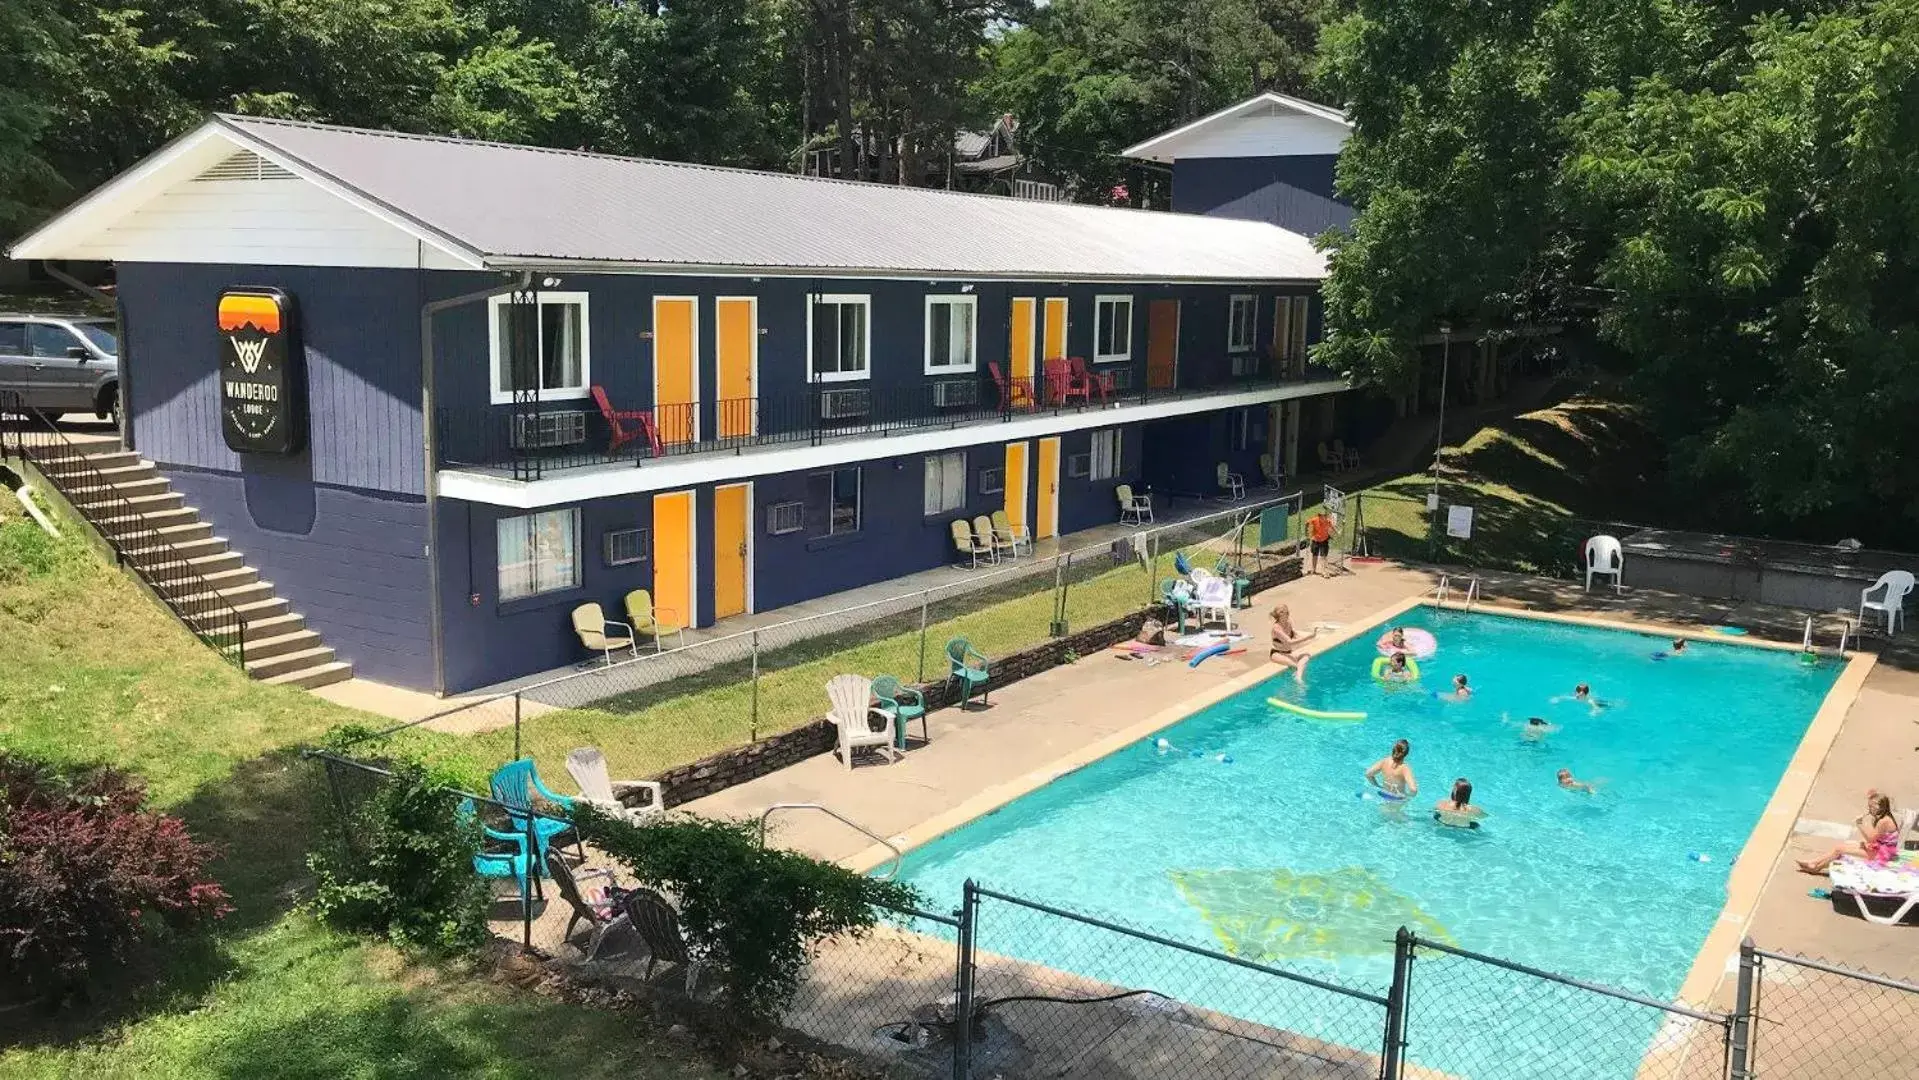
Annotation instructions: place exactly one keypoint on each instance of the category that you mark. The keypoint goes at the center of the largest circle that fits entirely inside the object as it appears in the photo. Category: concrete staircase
(278, 646)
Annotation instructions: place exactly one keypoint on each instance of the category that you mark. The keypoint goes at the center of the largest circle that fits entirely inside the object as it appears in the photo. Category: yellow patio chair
(655, 622)
(1018, 536)
(1001, 543)
(971, 548)
(600, 634)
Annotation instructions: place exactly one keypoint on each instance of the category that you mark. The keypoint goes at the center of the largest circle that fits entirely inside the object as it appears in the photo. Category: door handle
(742, 549)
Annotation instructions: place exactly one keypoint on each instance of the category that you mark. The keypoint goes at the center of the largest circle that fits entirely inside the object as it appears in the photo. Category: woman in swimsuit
(1285, 639)
(1392, 775)
(1458, 811)
(1878, 837)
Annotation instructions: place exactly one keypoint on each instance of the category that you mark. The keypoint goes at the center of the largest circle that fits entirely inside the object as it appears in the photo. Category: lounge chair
(1133, 509)
(1606, 558)
(1001, 543)
(600, 634)
(1892, 603)
(1269, 469)
(852, 712)
(971, 548)
(502, 855)
(588, 767)
(1329, 459)
(659, 926)
(616, 423)
(959, 659)
(654, 622)
(1017, 535)
(602, 916)
(515, 785)
(1882, 893)
(1233, 484)
(1346, 454)
(905, 703)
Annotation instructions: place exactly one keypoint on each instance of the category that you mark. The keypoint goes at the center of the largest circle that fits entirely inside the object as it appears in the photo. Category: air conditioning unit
(947, 395)
(1246, 363)
(1079, 465)
(844, 404)
(542, 431)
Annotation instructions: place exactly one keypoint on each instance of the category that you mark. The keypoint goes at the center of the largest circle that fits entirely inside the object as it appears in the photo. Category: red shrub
(87, 874)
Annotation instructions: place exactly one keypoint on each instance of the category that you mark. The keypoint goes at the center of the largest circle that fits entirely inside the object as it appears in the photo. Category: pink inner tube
(1421, 644)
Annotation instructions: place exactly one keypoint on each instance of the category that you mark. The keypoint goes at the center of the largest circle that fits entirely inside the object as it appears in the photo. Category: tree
(33, 37)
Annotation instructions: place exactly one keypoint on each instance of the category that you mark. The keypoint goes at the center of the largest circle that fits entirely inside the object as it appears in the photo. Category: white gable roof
(458, 202)
(1268, 125)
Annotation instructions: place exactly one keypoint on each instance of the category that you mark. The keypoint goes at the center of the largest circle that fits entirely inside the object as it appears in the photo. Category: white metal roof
(507, 206)
(1271, 124)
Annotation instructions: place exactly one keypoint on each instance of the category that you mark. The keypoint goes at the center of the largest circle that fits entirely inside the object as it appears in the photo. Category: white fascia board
(584, 485)
(184, 157)
(1158, 149)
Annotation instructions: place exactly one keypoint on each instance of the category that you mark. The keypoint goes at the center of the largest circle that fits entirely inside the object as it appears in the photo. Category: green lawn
(90, 669)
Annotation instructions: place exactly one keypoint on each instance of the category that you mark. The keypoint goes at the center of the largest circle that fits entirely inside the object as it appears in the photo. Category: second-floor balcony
(531, 439)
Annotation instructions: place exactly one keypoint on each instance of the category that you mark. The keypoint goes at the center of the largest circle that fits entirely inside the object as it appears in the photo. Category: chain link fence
(1812, 1020)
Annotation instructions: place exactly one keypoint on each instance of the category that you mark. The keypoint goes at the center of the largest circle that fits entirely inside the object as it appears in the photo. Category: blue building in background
(530, 378)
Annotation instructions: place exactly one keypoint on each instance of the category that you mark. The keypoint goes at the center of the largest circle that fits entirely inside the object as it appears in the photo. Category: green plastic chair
(960, 655)
(905, 703)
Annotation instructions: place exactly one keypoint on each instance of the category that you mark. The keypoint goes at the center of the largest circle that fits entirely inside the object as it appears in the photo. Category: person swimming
(1458, 811)
(1572, 783)
(1536, 728)
(1392, 776)
(1583, 694)
(1678, 649)
(1397, 639)
(1396, 669)
(1459, 692)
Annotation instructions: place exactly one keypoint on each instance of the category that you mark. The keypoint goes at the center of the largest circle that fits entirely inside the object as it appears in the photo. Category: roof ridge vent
(244, 165)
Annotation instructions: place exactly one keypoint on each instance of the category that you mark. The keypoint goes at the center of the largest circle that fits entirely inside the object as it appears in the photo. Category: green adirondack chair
(960, 656)
(905, 703)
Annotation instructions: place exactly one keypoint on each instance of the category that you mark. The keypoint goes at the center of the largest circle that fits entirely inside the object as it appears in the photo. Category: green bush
(754, 912)
(398, 860)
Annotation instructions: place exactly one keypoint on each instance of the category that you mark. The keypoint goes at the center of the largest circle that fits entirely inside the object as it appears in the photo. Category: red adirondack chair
(1101, 381)
(616, 421)
(1061, 386)
(1016, 395)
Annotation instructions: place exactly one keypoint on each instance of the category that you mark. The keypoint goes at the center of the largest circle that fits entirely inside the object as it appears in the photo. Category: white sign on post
(1459, 521)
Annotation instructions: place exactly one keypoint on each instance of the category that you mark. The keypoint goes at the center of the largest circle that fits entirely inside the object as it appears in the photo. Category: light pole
(1439, 437)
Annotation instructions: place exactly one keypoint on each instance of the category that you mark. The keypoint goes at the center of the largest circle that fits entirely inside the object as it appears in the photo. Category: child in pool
(1459, 692)
(1571, 783)
(1396, 669)
(1583, 694)
(1678, 649)
(1397, 640)
(1458, 811)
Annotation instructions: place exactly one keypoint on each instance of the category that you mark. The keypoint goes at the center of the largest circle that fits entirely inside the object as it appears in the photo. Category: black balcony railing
(530, 439)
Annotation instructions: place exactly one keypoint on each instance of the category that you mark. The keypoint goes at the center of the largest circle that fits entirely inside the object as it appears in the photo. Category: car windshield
(101, 334)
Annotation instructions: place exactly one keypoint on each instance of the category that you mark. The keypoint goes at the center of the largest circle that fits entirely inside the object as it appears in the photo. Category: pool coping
(1751, 870)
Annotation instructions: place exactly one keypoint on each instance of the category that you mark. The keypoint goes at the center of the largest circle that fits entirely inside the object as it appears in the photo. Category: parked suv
(60, 364)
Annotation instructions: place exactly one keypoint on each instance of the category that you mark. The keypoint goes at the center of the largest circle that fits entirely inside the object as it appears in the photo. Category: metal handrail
(1472, 592)
(899, 857)
(1439, 591)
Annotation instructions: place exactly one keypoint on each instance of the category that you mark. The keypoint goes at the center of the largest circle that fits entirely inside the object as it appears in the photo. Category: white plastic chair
(852, 699)
(1133, 509)
(1232, 483)
(1605, 556)
(1896, 583)
(1216, 601)
(588, 767)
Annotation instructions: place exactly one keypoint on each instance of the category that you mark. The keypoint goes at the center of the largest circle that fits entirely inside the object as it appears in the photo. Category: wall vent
(245, 165)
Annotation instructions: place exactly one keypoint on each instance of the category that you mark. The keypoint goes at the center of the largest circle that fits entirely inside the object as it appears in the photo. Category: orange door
(1046, 509)
(676, 392)
(732, 509)
(1162, 344)
(673, 573)
(736, 341)
(1015, 483)
(1021, 349)
(1055, 327)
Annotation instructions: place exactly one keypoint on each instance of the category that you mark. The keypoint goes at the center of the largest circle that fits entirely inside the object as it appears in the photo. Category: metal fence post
(753, 713)
(963, 1006)
(1392, 1054)
(1739, 1034)
(533, 870)
(516, 724)
(923, 607)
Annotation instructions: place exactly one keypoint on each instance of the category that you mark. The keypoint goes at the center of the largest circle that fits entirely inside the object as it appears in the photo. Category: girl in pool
(1397, 640)
(1392, 775)
(1459, 692)
(1572, 783)
(1396, 669)
(1286, 639)
(1878, 841)
(1459, 811)
(1583, 694)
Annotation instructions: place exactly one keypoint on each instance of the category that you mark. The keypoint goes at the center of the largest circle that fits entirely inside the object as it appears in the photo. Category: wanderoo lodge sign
(262, 380)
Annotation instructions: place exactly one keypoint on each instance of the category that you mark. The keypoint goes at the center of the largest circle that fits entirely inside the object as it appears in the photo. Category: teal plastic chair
(514, 785)
(1176, 594)
(960, 656)
(905, 703)
(510, 864)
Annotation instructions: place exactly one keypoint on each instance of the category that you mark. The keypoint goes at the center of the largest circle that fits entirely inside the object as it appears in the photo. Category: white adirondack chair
(1896, 583)
(588, 767)
(853, 713)
(1605, 556)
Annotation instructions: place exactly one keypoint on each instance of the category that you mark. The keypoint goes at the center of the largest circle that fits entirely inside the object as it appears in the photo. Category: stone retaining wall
(727, 768)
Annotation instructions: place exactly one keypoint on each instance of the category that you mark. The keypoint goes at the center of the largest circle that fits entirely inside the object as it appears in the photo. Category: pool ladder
(1848, 632)
(1445, 586)
(898, 855)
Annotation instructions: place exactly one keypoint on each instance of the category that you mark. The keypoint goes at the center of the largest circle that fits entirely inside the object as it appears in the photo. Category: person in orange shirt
(1319, 531)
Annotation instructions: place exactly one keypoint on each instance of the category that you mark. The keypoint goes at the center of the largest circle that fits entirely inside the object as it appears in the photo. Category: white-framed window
(1112, 329)
(1242, 315)
(538, 553)
(1105, 464)
(837, 495)
(561, 365)
(839, 336)
(945, 482)
(952, 340)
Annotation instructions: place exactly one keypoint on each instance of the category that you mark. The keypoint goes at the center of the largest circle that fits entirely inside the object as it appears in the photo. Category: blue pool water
(1275, 857)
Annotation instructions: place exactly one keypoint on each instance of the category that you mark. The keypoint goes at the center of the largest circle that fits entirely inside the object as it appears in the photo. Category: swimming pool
(1251, 833)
